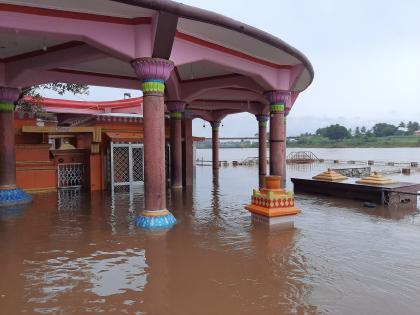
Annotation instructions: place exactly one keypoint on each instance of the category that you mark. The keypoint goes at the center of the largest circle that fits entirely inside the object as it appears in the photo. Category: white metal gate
(126, 164)
(71, 175)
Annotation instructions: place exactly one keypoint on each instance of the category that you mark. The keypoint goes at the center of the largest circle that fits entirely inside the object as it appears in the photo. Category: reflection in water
(280, 259)
(101, 273)
(69, 199)
(86, 256)
(12, 211)
(157, 294)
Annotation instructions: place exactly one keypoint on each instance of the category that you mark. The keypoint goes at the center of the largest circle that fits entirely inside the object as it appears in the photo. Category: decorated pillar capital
(153, 72)
(176, 108)
(262, 120)
(7, 98)
(278, 100)
(215, 124)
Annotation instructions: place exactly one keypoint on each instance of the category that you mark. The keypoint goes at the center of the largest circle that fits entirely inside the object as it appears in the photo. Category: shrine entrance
(126, 165)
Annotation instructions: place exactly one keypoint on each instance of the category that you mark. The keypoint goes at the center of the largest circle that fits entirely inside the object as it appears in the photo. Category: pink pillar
(154, 72)
(277, 101)
(187, 166)
(9, 193)
(215, 143)
(176, 108)
(262, 148)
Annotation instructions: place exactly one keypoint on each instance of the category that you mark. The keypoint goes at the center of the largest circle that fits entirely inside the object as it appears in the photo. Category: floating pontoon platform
(393, 193)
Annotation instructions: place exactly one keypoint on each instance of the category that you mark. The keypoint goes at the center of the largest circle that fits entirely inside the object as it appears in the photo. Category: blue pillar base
(149, 221)
(12, 197)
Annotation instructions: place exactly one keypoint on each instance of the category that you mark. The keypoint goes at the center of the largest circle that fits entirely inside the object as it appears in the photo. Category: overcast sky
(366, 56)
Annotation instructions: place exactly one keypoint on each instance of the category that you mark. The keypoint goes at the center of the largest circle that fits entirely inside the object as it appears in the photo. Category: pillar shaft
(7, 150)
(176, 153)
(154, 72)
(187, 161)
(277, 132)
(262, 148)
(286, 112)
(9, 194)
(215, 144)
(277, 144)
(154, 151)
(176, 108)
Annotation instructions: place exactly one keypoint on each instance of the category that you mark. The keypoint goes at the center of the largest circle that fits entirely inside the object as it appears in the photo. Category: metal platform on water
(390, 194)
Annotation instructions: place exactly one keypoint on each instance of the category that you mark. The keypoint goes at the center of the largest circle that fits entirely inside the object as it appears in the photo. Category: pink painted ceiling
(221, 64)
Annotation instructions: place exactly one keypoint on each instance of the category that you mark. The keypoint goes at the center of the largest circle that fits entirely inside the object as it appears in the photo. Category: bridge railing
(302, 157)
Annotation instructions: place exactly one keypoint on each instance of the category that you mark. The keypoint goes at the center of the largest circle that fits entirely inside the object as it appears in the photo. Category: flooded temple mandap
(189, 63)
(85, 145)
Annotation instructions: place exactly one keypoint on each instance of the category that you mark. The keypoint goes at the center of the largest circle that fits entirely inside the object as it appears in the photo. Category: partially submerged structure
(82, 148)
(375, 188)
(188, 62)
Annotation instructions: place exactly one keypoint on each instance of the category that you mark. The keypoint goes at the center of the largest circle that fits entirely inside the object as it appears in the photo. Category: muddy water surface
(83, 254)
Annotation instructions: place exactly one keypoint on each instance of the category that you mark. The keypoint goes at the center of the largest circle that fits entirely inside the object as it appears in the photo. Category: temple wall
(95, 172)
(35, 170)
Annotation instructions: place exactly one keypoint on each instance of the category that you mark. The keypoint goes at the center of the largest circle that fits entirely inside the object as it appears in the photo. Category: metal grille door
(138, 175)
(121, 170)
(126, 165)
(71, 175)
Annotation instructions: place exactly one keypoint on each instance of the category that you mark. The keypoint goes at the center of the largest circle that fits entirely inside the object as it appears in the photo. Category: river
(80, 254)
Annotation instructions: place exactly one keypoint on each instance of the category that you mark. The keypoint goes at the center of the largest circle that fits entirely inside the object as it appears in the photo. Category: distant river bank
(378, 154)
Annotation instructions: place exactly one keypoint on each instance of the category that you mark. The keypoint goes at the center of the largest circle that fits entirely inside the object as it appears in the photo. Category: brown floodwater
(82, 254)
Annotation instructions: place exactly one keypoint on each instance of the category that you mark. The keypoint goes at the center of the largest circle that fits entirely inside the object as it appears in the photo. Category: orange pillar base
(272, 204)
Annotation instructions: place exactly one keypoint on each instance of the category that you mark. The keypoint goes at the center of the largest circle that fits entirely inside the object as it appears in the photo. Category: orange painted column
(154, 72)
(277, 101)
(9, 194)
(176, 109)
(262, 148)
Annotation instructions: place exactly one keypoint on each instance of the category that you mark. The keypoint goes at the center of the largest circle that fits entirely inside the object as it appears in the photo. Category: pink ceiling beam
(16, 71)
(235, 95)
(186, 51)
(196, 88)
(80, 77)
(118, 40)
(217, 115)
(6, 7)
(254, 108)
(230, 51)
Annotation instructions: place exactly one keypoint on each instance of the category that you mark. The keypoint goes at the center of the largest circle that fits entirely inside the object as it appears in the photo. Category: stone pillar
(277, 101)
(9, 194)
(176, 108)
(262, 148)
(153, 73)
(215, 143)
(187, 156)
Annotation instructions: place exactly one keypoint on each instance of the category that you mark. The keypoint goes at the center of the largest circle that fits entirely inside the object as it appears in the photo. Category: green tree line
(339, 132)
